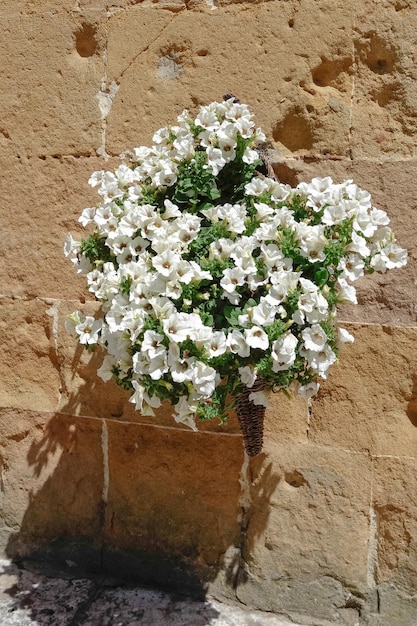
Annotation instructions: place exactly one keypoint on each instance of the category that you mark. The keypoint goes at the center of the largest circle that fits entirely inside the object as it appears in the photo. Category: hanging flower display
(218, 282)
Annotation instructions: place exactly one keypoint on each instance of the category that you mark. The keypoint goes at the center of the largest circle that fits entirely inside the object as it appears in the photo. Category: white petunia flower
(260, 398)
(217, 344)
(250, 156)
(312, 305)
(247, 375)
(166, 263)
(232, 278)
(221, 248)
(215, 160)
(283, 352)
(256, 187)
(344, 336)
(237, 344)
(179, 326)
(263, 314)
(322, 360)
(204, 379)
(207, 119)
(185, 413)
(87, 217)
(72, 249)
(352, 266)
(256, 338)
(314, 337)
(152, 345)
(389, 257)
(88, 330)
(309, 390)
(106, 370)
(144, 403)
(347, 293)
(72, 321)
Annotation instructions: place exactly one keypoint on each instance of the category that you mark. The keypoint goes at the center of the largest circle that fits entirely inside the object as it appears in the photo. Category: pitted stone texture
(368, 402)
(306, 502)
(286, 419)
(395, 507)
(48, 101)
(396, 607)
(35, 224)
(388, 298)
(52, 479)
(173, 493)
(29, 376)
(384, 97)
(302, 48)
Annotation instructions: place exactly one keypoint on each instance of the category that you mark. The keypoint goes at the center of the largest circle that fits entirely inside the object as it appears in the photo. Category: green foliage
(94, 248)
(196, 184)
(208, 234)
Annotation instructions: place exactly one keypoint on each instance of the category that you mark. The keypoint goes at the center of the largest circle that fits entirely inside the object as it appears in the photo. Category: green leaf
(321, 276)
(95, 249)
(231, 314)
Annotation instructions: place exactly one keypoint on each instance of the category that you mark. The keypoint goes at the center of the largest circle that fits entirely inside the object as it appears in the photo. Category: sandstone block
(368, 402)
(173, 494)
(306, 502)
(181, 60)
(286, 419)
(28, 364)
(396, 607)
(52, 479)
(34, 230)
(384, 95)
(48, 103)
(395, 507)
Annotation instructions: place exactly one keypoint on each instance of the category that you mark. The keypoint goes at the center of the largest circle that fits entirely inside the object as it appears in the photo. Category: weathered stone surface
(384, 94)
(368, 402)
(212, 53)
(395, 507)
(286, 419)
(35, 224)
(48, 100)
(305, 504)
(31, 598)
(52, 479)
(173, 493)
(29, 376)
(396, 607)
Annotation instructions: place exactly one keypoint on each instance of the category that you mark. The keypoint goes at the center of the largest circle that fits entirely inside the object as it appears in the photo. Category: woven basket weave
(251, 420)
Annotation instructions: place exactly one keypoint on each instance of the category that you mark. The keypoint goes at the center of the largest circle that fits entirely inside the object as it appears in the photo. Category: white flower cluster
(212, 275)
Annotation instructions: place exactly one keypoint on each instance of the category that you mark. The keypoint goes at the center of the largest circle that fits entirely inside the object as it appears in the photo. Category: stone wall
(324, 522)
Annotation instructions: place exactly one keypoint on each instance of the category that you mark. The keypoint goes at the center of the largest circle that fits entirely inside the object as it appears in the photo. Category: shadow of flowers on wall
(141, 502)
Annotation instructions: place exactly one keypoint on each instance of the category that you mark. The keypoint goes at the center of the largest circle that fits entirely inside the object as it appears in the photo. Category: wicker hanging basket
(251, 419)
